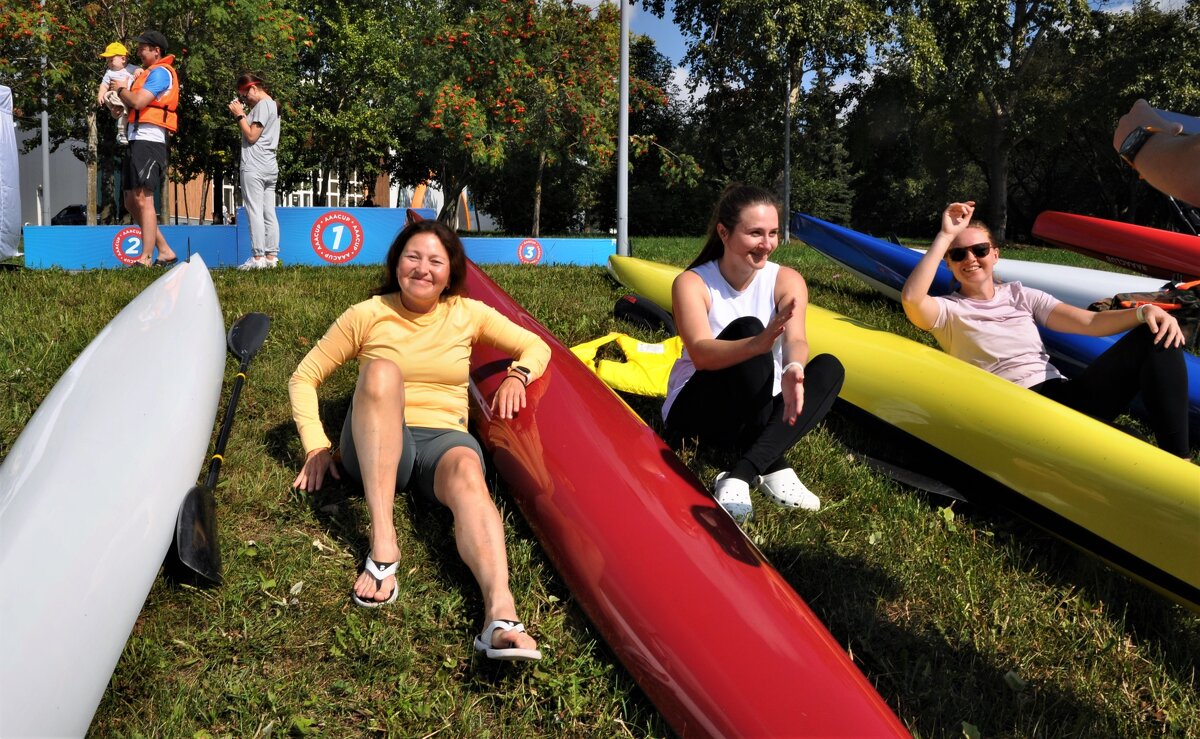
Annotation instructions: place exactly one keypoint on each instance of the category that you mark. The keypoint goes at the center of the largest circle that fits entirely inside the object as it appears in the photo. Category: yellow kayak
(1119, 489)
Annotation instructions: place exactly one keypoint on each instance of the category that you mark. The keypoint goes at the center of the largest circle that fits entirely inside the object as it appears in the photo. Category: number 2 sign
(127, 245)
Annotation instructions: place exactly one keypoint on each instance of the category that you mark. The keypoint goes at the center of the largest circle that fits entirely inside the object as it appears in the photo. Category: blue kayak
(885, 266)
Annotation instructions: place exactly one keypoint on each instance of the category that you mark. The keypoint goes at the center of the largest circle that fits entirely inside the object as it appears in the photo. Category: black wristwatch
(1133, 143)
(240, 117)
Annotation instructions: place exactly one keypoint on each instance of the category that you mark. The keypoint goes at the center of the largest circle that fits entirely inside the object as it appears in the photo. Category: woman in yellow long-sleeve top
(407, 424)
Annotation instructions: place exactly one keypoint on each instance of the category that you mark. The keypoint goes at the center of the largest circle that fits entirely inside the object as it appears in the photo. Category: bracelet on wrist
(789, 365)
(1141, 312)
(515, 376)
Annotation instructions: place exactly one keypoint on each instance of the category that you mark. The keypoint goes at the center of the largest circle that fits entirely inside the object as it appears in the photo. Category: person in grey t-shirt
(260, 139)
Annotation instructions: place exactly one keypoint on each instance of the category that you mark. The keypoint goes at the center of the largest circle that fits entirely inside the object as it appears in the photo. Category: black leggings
(1134, 364)
(734, 409)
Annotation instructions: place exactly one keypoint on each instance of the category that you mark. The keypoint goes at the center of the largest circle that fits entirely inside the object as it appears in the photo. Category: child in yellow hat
(118, 70)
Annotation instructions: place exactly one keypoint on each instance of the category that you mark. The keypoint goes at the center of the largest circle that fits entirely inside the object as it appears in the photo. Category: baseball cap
(116, 48)
(153, 38)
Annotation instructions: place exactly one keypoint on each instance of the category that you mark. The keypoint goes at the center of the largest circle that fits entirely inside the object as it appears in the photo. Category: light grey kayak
(89, 494)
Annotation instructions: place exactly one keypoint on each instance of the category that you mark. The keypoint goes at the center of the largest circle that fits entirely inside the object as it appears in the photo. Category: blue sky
(670, 41)
(666, 35)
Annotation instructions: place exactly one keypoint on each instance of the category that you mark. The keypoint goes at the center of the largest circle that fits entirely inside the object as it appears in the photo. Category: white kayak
(89, 494)
(1077, 286)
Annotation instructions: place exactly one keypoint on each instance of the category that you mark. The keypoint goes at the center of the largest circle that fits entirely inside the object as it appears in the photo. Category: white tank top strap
(727, 305)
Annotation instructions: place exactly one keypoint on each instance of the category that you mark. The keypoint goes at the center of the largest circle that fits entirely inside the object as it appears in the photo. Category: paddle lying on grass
(196, 553)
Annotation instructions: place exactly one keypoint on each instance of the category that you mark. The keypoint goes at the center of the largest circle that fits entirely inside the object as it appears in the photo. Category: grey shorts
(423, 449)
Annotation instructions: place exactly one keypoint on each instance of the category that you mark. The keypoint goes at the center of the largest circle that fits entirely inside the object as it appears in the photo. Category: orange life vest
(160, 111)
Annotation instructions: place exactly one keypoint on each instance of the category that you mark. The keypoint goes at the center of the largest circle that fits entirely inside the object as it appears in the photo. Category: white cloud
(1126, 6)
(679, 81)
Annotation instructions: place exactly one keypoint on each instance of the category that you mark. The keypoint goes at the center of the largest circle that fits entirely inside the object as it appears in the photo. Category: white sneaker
(270, 263)
(253, 263)
(785, 488)
(734, 497)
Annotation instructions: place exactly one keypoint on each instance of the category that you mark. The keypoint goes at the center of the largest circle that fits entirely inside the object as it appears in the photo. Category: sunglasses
(959, 253)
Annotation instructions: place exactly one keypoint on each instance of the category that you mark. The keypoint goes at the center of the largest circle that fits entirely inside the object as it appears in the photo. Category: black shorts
(144, 165)
(423, 449)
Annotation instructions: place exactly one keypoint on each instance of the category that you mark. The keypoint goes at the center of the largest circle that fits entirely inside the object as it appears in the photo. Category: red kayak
(711, 632)
(1151, 251)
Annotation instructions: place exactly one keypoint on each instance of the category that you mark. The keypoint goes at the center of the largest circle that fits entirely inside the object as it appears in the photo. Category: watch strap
(1133, 143)
(519, 372)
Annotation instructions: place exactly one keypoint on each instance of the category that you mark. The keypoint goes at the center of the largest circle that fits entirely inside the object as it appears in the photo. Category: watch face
(1133, 144)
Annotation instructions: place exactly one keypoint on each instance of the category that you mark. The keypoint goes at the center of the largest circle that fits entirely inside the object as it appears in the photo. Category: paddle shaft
(214, 466)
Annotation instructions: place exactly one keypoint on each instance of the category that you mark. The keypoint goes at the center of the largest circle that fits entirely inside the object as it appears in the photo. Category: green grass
(960, 617)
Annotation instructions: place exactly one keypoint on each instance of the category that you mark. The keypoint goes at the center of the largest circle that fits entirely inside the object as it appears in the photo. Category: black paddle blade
(196, 545)
(247, 335)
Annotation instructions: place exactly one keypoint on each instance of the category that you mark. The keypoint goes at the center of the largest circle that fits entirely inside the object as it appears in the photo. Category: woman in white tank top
(745, 383)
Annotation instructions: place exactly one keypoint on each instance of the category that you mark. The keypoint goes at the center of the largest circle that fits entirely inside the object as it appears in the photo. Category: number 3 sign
(529, 251)
(337, 237)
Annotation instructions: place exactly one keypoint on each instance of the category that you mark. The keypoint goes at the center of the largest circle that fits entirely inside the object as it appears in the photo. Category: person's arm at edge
(790, 289)
(529, 353)
(1072, 320)
(1168, 161)
(688, 300)
(336, 347)
(250, 131)
(919, 306)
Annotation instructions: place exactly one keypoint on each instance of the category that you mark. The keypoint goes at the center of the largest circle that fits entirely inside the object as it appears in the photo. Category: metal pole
(623, 139)
(787, 157)
(45, 139)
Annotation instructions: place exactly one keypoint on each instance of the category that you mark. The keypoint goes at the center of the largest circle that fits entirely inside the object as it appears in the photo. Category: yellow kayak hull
(1132, 495)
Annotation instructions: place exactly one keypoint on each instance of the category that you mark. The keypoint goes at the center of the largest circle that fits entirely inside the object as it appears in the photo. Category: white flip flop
(379, 572)
(483, 643)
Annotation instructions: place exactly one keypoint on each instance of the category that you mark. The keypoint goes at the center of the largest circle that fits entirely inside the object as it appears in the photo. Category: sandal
(379, 572)
(483, 643)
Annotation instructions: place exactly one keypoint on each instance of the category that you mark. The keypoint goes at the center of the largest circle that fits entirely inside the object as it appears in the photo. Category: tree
(211, 42)
(214, 43)
(821, 168)
(352, 102)
(576, 194)
(977, 58)
(749, 51)
(507, 77)
(899, 148)
(49, 52)
(666, 195)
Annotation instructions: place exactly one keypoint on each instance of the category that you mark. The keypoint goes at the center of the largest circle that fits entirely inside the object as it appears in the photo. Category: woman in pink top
(994, 326)
(406, 426)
